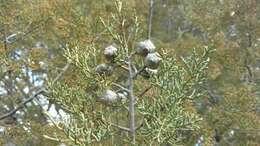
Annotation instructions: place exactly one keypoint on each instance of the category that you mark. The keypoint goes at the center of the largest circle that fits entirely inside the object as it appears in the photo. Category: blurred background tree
(231, 26)
(34, 33)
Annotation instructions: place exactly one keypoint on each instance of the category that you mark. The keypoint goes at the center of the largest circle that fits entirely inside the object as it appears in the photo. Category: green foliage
(174, 109)
(177, 84)
(162, 114)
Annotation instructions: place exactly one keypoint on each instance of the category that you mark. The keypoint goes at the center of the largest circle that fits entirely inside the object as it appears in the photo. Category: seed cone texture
(110, 52)
(109, 96)
(145, 47)
(104, 69)
(152, 60)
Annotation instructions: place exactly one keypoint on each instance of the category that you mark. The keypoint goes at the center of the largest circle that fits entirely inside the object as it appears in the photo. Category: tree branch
(25, 33)
(132, 99)
(150, 16)
(40, 91)
(20, 106)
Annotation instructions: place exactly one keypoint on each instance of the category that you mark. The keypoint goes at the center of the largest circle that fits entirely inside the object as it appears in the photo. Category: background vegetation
(37, 39)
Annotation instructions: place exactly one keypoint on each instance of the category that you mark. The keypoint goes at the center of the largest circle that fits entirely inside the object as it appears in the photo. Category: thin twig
(64, 69)
(139, 71)
(123, 67)
(146, 90)
(141, 124)
(54, 139)
(5, 43)
(120, 86)
(60, 128)
(120, 127)
(52, 120)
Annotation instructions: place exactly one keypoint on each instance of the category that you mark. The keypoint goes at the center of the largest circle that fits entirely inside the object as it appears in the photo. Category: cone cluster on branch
(151, 59)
